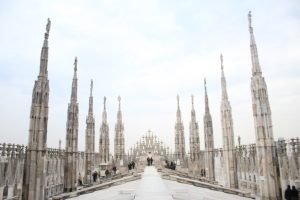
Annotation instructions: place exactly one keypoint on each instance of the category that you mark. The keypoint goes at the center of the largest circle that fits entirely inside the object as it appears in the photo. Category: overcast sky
(148, 52)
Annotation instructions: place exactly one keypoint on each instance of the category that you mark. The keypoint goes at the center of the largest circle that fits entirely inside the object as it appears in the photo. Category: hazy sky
(148, 52)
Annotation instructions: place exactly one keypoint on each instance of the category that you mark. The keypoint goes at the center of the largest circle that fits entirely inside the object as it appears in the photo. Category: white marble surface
(151, 186)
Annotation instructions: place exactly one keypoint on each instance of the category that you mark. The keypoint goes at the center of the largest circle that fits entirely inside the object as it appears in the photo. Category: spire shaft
(119, 111)
(206, 98)
(91, 98)
(178, 113)
(256, 70)
(223, 81)
(193, 114)
(104, 114)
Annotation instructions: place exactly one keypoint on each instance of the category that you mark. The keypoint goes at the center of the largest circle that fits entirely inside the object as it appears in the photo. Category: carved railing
(12, 150)
(290, 146)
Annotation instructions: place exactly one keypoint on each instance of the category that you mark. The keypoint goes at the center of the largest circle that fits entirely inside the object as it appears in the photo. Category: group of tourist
(149, 161)
(131, 165)
(291, 194)
(171, 165)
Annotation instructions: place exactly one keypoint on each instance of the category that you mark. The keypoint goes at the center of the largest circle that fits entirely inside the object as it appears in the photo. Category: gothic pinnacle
(256, 70)
(75, 67)
(119, 111)
(104, 115)
(91, 98)
(250, 22)
(223, 80)
(178, 114)
(74, 83)
(104, 103)
(48, 26)
(178, 101)
(44, 52)
(193, 109)
(206, 97)
(221, 58)
(91, 88)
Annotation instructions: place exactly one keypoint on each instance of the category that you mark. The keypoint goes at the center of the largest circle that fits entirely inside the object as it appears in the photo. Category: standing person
(114, 169)
(133, 164)
(106, 172)
(288, 193)
(80, 179)
(148, 161)
(151, 161)
(95, 174)
(294, 193)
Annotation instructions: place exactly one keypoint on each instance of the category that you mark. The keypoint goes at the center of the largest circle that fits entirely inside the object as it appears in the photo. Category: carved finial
(75, 64)
(177, 100)
(205, 83)
(221, 57)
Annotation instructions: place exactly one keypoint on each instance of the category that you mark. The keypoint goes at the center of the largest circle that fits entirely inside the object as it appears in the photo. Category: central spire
(256, 70)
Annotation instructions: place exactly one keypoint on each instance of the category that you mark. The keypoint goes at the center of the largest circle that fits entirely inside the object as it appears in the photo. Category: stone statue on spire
(75, 64)
(48, 26)
(250, 21)
(193, 100)
(91, 89)
(119, 99)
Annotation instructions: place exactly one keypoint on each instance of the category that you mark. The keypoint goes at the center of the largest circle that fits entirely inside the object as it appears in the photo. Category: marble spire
(194, 135)
(74, 83)
(208, 140)
(269, 188)
(71, 156)
(256, 69)
(34, 179)
(179, 136)
(90, 141)
(119, 146)
(228, 135)
(104, 136)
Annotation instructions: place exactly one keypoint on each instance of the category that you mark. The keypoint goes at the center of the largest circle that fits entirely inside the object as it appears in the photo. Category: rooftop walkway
(153, 185)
